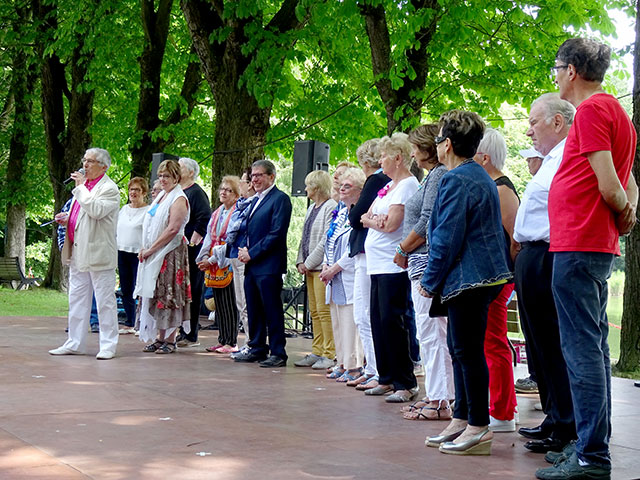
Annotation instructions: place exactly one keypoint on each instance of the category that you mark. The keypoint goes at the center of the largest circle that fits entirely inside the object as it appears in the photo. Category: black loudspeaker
(156, 160)
(308, 155)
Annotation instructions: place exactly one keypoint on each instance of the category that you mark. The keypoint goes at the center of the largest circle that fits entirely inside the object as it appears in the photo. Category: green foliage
(37, 258)
(616, 283)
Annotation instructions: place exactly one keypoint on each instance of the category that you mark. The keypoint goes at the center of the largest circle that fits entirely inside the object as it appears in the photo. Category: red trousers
(502, 394)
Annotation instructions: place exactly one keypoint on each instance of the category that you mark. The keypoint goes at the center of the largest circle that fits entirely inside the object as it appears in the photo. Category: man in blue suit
(265, 257)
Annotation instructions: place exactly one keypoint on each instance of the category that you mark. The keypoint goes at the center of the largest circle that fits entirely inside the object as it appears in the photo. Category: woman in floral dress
(163, 273)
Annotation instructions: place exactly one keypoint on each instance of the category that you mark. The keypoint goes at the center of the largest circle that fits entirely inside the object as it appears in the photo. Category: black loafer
(248, 357)
(535, 433)
(545, 445)
(273, 361)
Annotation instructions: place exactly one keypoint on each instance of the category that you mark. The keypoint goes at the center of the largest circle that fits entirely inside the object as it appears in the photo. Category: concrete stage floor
(197, 415)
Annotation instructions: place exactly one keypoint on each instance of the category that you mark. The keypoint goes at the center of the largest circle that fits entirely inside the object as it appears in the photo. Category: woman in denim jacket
(467, 268)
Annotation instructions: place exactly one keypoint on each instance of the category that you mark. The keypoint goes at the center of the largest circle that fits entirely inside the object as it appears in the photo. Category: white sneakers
(323, 363)
(496, 425)
(105, 355)
(307, 361)
(102, 355)
(64, 351)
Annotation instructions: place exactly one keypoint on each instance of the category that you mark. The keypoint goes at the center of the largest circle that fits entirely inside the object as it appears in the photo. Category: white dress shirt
(532, 219)
(261, 196)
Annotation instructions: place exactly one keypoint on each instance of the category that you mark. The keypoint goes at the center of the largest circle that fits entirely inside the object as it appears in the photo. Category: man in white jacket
(90, 251)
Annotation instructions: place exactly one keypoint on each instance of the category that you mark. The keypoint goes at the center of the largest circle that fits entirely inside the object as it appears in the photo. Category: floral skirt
(169, 306)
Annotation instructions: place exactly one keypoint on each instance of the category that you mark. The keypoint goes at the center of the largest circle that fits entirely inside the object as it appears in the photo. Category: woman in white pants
(413, 253)
(370, 163)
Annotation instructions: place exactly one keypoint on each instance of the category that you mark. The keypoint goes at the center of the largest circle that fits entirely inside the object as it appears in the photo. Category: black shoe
(545, 445)
(95, 329)
(248, 357)
(273, 361)
(535, 433)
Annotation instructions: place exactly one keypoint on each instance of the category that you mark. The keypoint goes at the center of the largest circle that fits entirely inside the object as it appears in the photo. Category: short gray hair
(397, 144)
(191, 164)
(367, 153)
(267, 165)
(100, 155)
(554, 105)
(356, 175)
(493, 144)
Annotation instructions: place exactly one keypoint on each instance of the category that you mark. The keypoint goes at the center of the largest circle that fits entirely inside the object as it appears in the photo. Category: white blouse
(129, 232)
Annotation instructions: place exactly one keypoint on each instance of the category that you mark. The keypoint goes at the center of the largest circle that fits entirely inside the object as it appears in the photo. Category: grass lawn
(35, 302)
(614, 312)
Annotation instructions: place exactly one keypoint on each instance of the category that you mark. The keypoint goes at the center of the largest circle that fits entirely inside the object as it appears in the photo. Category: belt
(537, 243)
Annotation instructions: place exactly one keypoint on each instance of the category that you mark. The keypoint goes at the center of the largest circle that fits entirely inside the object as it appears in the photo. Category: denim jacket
(466, 240)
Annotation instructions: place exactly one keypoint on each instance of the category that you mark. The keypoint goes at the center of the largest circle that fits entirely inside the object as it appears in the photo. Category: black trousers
(128, 273)
(389, 329)
(226, 314)
(533, 269)
(196, 277)
(266, 315)
(465, 337)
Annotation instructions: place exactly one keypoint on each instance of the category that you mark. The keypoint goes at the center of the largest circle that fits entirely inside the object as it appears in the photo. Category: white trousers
(241, 301)
(432, 335)
(82, 287)
(361, 307)
(345, 336)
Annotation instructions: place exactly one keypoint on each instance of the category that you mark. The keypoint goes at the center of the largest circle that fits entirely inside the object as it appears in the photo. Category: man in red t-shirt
(592, 201)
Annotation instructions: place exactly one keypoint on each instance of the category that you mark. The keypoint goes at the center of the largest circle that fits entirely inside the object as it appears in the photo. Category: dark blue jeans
(93, 319)
(580, 291)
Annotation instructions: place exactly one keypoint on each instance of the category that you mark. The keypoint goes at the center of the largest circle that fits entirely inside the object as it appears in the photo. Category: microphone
(69, 180)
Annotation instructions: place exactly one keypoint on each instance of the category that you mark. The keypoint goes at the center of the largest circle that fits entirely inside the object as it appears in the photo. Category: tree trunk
(241, 124)
(403, 104)
(630, 335)
(22, 86)
(66, 140)
(156, 29)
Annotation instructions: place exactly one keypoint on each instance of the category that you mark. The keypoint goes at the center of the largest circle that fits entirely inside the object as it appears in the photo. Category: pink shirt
(75, 208)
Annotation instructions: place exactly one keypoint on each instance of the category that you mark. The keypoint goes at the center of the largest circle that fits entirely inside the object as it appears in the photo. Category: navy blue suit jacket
(267, 228)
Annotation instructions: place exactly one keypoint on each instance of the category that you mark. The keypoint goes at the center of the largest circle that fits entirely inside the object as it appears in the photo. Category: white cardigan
(94, 247)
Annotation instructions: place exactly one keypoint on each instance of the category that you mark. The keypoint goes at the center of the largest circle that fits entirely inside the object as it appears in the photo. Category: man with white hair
(90, 251)
(195, 230)
(549, 122)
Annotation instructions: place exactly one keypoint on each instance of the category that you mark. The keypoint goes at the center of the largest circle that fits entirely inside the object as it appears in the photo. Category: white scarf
(152, 227)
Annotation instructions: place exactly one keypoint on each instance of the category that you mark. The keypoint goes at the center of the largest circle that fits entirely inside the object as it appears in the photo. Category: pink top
(75, 209)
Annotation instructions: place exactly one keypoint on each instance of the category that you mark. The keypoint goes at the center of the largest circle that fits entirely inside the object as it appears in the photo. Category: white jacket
(94, 247)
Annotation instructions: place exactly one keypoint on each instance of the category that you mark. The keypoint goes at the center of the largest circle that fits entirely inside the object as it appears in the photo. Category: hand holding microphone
(77, 176)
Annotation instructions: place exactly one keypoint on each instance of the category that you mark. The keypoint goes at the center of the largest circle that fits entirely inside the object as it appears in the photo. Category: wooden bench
(513, 325)
(10, 271)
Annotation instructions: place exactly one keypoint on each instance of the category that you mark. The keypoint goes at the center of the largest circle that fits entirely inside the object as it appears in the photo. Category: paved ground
(195, 415)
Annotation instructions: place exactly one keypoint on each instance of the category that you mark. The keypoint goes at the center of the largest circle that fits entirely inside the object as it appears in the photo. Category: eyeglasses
(162, 175)
(346, 186)
(257, 175)
(227, 190)
(135, 190)
(555, 68)
(438, 140)
(89, 160)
